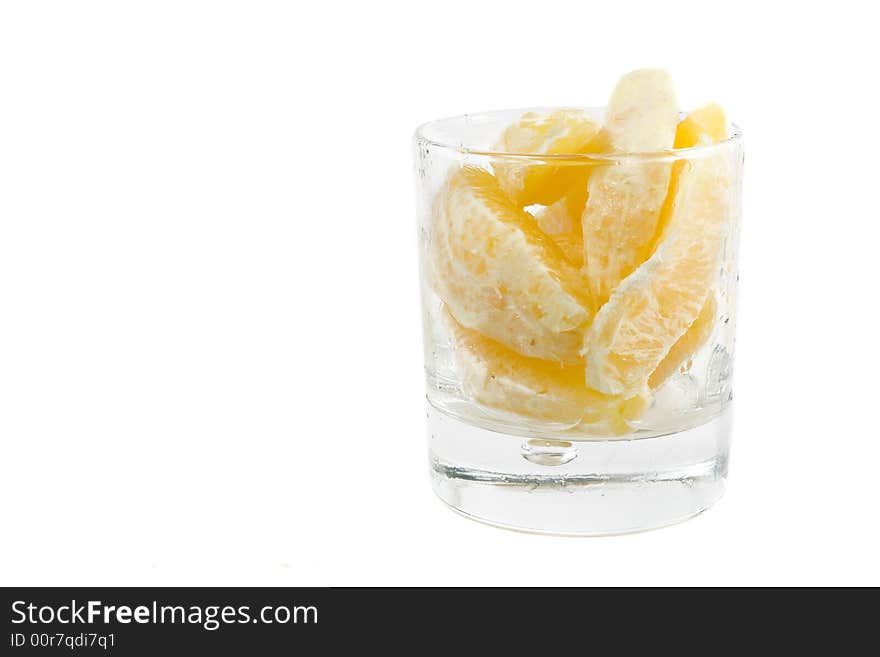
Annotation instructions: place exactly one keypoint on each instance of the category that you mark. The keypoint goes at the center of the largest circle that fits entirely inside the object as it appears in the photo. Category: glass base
(590, 487)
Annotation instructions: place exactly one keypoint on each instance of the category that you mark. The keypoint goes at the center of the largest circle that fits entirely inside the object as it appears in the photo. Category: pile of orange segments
(574, 292)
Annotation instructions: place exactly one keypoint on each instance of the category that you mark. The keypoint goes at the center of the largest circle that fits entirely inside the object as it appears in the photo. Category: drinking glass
(578, 335)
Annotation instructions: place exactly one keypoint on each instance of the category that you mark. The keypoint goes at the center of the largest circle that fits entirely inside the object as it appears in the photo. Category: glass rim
(734, 137)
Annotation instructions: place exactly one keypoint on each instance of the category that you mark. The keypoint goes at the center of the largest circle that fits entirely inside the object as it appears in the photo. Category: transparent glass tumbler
(579, 316)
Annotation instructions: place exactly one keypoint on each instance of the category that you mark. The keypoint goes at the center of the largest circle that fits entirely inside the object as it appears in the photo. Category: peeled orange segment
(642, 114)
(708, 120)
(625, 198)
(500, 275)
(708, 124)
(562, 222)
(495, 376)
(654, 306)
(563, 132)
(687, 345)
(705, 125)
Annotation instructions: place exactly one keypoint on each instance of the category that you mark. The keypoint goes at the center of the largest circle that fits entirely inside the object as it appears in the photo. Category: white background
(210, 357)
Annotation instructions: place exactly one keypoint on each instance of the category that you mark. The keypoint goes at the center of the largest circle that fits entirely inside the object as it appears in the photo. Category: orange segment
(500, 275)
(687, 345)
(653, 307)
(709, 124)
(563, 132)
(708, 120)
(499, 378)
(625, 199)
(562, 222)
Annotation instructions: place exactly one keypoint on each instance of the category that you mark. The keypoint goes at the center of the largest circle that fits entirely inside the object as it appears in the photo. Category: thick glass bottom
(594, 487)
